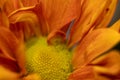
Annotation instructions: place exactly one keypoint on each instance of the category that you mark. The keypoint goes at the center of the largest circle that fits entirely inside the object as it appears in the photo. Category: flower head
(59, 40)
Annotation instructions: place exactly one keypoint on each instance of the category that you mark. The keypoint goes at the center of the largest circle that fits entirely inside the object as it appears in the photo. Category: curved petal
(93, 45)
(56, 37)
(58, 13)
(94, 14)
(8, 63)
(42, 19)
(25, 20)
(11, 5)
(116, 26)
(108, 64)
(11, 48)
(105, 67)
(84, 73)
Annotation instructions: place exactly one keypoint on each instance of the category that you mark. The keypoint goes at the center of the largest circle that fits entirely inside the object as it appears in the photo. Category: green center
(50, 62)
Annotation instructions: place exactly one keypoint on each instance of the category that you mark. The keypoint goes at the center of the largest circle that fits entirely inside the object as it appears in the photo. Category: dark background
(117, 14)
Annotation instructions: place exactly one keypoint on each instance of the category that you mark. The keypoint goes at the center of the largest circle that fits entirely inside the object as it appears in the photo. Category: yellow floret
(50, 62)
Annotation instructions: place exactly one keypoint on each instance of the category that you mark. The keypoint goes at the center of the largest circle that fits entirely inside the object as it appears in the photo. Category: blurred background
(117, 14)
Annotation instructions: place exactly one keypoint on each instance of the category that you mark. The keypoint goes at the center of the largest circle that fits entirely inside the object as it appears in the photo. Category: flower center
(50, 62)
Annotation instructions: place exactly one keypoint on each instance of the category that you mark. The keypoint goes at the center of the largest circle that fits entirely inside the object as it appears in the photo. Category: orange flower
(59, 40)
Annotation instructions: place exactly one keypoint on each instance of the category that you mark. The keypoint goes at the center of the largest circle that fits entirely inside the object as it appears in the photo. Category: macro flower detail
(52, 62)
(59, 40)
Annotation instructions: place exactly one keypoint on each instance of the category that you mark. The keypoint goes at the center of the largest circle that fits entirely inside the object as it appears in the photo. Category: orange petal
(58, 13)
(108, 14)
(3, 19)
(92, 15)
(108, 64)
(9, 63)
(32, 77)
(38, 9)
(56, 37)
(27, 21)
(12, 48)
(104, 67)
(11, 5)
(27, 3)
(94, 44)
(7, 75)
(2, 2)
(116, 26)
(8, 43)
(84, 73)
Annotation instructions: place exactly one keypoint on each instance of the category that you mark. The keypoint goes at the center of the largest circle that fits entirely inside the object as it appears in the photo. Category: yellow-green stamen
(50, 62)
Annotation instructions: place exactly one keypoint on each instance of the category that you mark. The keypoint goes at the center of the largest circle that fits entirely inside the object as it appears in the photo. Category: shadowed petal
(56, 37)
(108, 64)
(58, 13)
(8, 43)
(8, 63)
(93, 14)
(38, 10)
(11, 48)
(94, 44)
(83, 73)
(105, 67)
(2, 2)
(52, 15)
(11, 5)
(25, 20)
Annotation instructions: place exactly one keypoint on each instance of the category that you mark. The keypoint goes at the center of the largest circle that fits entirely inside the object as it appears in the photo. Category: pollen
(51, 62)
